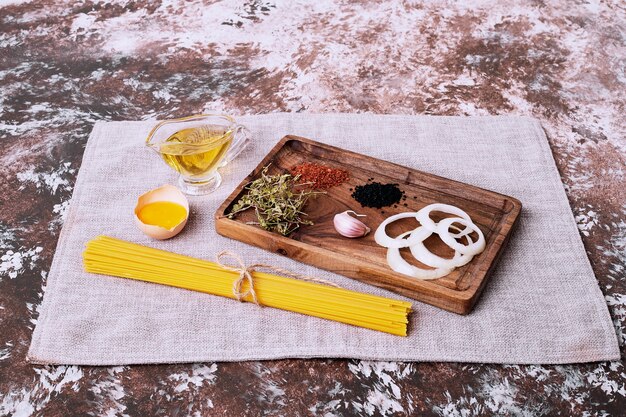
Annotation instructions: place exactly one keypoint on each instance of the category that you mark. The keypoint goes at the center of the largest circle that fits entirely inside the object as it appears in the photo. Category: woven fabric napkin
(542, 304)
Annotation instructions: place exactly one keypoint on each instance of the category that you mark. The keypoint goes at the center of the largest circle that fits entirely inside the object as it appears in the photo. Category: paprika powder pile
(319, 177)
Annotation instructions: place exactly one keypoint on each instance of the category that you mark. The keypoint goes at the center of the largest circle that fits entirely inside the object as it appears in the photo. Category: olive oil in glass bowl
(196, 146)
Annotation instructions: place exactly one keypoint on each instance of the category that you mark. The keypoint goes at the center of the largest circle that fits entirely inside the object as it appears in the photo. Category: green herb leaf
(277, 206)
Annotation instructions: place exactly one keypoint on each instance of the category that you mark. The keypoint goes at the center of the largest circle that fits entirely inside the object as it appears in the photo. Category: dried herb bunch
(277, 204)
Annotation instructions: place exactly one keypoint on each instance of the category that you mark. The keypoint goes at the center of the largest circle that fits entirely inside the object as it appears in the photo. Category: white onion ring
(423, 216)
(473, 248)
(398, 264)
(425, 256)
(383, 239)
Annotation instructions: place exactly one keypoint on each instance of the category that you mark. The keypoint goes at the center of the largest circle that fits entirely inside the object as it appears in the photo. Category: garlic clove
(348, 226)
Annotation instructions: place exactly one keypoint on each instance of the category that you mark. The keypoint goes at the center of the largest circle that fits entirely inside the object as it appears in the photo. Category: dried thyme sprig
(277, 205)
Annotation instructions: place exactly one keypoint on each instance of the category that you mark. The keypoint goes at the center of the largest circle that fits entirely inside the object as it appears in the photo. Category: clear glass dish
(196, 146)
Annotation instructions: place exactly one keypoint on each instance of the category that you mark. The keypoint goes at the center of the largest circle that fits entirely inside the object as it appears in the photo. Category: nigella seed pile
(377, 195)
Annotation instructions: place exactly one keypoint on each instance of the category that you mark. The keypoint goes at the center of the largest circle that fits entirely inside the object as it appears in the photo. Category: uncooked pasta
(110, 256)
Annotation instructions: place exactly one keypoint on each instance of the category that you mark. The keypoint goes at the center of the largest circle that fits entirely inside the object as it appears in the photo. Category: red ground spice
(321, 177)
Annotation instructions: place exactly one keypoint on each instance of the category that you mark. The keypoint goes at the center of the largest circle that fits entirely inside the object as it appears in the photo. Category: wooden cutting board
(363, 259)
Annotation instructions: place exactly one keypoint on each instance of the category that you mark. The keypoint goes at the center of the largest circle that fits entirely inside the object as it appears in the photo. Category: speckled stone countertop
(65, 66)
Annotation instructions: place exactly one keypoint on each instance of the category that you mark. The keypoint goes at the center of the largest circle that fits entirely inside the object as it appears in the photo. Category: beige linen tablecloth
(542, 304)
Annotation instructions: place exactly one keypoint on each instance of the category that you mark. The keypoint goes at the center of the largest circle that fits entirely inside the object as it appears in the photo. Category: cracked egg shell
(165, 193)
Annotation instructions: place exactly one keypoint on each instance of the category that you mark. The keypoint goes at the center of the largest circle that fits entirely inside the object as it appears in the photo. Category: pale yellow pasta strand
(105, 255)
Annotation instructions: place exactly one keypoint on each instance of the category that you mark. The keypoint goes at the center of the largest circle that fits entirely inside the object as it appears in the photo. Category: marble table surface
(65, 65)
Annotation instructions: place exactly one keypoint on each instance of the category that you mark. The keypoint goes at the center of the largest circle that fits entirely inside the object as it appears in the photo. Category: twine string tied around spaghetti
(245, 275)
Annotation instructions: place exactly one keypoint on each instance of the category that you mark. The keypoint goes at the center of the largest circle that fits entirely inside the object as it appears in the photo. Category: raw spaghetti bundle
(109, 256)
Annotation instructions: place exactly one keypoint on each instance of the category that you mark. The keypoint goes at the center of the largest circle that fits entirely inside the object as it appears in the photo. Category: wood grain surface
(363, 259)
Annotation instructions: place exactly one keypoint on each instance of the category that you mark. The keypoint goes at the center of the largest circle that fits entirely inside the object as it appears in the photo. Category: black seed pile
(377, 195)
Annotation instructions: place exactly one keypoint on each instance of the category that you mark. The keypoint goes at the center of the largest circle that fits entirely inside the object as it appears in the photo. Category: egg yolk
(162, 213)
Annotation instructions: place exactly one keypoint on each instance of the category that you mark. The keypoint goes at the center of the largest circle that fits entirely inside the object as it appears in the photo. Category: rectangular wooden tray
(320, 245)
